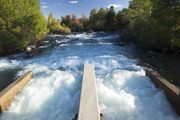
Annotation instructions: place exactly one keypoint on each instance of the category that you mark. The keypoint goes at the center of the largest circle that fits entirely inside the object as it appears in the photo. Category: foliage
(85, 23)
(110, 19)
(99, 20)
(55, 27)
(72, 22)
(20, 26)
(103, 19)
(154, 23)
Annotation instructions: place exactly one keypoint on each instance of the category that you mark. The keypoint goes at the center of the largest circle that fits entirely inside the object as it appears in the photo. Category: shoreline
(167, 65)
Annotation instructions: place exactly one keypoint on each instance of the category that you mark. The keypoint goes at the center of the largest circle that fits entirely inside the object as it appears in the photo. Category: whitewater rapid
(124, 92)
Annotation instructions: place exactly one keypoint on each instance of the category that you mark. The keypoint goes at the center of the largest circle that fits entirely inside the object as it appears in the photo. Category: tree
(20, 26)
(98, 19)
(76, 25)
(72, 22)
(55, 26)
(122, 19)
(111, 19)
(101, 19)
(85, 23)
(166, 14)
(66, 21)
(154, 23)
(92, 18)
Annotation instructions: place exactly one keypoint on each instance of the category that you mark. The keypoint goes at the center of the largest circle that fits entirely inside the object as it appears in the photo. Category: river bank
(167, 65)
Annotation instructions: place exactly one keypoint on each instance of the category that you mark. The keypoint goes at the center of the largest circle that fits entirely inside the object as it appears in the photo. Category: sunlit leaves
(21, 23)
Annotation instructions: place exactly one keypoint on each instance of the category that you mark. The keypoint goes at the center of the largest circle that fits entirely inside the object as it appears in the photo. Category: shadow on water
(7, 77)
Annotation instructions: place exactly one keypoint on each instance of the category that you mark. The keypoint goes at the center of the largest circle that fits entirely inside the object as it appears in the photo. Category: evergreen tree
(111, 19)
(85, 23)
(92, 18)
(101, 19)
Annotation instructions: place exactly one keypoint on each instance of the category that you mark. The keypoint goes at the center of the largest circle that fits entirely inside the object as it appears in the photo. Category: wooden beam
(88, 108)
(8, 94)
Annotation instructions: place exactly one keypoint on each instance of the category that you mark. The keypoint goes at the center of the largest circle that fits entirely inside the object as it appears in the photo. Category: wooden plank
(88, 108)
(8, 94)
(171, 91)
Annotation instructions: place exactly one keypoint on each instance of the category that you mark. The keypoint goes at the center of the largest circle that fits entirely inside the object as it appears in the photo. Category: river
(124, 92)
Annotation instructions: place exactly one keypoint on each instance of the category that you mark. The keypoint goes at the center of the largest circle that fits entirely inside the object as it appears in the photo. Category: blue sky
(78, 7)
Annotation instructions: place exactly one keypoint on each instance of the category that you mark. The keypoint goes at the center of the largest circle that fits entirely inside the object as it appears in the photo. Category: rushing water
(124, 92)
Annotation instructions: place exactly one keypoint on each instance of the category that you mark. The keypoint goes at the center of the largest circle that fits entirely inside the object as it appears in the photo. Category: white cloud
(44, 6)
(73, 2)
(115, 5)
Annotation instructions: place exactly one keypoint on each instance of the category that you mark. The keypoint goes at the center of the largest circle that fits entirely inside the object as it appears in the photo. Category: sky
(78, 7)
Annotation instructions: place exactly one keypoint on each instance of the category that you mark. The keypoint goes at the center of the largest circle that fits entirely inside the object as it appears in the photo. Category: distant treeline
(103, 19)
(155, 24)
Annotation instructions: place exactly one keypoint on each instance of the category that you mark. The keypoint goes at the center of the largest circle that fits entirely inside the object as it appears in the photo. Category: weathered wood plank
(88, 108)
(8, 94)
(172, 92)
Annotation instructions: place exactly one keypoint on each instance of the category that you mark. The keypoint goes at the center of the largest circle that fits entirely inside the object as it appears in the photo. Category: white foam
(30, 100)
(56, 35)
(106, 37)
(129, 95)
(6, 64)
(124, 92)
(46, 41)
(81, 36)
(45, 46)
(51, 93)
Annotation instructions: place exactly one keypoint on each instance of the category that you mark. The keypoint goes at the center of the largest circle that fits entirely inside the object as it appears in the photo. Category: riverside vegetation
(21, 24)
(155, 24)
